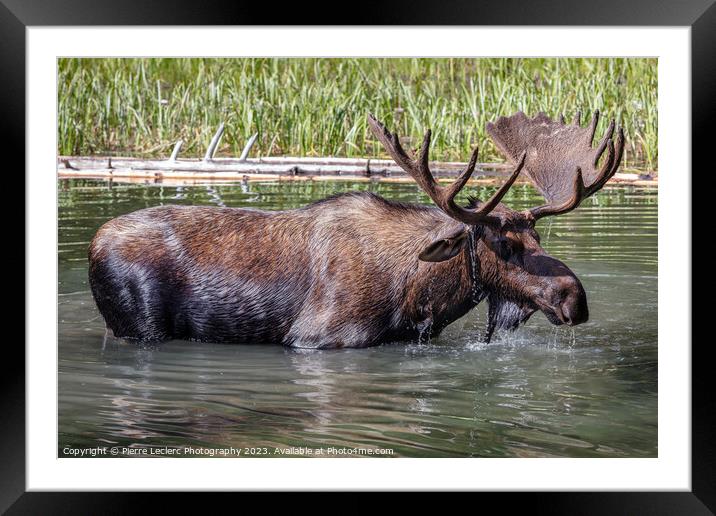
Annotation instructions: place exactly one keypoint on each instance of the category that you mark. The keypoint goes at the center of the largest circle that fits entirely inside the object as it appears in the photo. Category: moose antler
(442, 196)
(560, 161)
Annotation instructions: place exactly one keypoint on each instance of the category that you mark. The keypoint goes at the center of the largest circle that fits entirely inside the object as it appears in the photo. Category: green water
(541, 391)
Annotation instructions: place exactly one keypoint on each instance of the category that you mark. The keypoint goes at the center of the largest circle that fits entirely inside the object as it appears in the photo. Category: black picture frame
(700, 15)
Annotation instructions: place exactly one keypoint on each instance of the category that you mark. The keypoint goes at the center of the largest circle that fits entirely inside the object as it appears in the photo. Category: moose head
(510, 267)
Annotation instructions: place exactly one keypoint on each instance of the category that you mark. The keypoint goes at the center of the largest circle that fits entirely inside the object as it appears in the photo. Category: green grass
(318, 107)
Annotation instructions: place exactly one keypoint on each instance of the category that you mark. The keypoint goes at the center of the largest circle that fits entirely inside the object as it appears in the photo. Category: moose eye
(504, 249)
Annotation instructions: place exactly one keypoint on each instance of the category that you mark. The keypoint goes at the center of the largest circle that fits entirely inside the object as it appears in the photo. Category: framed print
(418, 251)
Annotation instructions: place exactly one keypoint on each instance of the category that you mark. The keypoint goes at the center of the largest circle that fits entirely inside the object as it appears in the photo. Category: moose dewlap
(356, 270)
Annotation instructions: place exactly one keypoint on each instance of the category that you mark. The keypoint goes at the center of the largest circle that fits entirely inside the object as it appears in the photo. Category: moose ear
(445, 248)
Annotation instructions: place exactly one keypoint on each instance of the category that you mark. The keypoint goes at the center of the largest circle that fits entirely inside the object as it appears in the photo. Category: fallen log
(190, 178)
(294, 167)
(268, 168)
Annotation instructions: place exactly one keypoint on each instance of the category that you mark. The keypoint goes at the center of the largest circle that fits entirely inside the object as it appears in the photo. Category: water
(539, 392)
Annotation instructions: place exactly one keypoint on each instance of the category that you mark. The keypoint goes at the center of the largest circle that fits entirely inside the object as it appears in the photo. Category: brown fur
(342, 265)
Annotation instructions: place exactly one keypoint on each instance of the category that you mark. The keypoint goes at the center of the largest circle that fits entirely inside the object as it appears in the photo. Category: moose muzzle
(565, 302)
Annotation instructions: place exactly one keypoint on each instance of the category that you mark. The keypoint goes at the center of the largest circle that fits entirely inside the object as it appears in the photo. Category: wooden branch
(214, 143)
(247, 147)
(68, 165)
(175, 152)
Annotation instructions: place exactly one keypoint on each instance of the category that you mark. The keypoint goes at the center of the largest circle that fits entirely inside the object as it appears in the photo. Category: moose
(355, 269)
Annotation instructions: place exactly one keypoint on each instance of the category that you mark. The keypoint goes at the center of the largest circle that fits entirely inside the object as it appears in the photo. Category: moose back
(356, 270)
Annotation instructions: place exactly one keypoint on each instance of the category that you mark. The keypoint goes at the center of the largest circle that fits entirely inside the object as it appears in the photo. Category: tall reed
(318, 107)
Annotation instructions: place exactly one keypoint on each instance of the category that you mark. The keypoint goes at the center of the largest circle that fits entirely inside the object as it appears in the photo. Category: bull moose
(355, 269)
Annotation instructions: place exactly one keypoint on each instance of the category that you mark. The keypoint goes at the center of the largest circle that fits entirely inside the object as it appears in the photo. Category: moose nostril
(574, 309)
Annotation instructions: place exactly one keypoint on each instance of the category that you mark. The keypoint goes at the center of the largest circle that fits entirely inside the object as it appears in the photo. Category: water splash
(554, 340)
(549, 231)
(425, 329)
(476, 345)
(562, 338)
(475, 289)
(104, 339)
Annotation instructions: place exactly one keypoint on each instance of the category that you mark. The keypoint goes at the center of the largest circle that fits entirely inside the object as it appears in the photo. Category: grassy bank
(317, 107)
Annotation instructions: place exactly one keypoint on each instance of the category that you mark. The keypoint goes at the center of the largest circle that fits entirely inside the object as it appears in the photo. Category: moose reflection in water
(356, 270)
